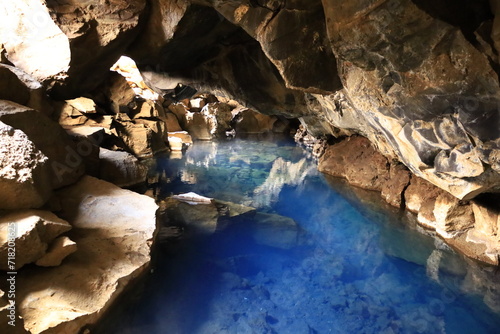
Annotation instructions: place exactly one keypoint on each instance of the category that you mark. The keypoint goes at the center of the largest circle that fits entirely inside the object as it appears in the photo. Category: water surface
(357, 265)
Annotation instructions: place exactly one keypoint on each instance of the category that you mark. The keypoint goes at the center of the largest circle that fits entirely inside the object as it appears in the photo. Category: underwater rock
(275, 230)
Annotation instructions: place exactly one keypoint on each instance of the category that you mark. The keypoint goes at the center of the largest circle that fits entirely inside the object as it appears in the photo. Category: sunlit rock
(250, 121)
(179, 140)
(64, 160)
(33, 232)
(113, 229)
(58, 250)
(24, 171)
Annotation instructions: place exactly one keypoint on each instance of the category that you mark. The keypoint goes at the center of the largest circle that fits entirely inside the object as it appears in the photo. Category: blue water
(356, 266)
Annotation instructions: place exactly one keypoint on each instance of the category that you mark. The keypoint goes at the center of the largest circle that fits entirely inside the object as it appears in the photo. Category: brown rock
(121, 168)
(250, 121)
(453, 216)
(358, 161)
(113, 229)
(58, 250)
(419, 192)
(24, 171)
(179, 141)
(33, 231)
(140, 140)
(172, 123)
(393, 189)
(66, 164)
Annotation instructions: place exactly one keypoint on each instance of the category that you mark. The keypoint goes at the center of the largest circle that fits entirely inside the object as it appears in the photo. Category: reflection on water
(361, 266)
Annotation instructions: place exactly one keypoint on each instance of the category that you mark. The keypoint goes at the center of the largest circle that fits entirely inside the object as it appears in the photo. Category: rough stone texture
(419, 192)
(34, 230)
(87, 140)
(393, 190)
(283, 28)
(121, 168)
(24, 171)
(172, 122)
(432, 98)
(218, 116)
(113, 229)
(116, 93)
(358, 161)
(140, 139)
(58, 250)
(66, 165)
(452, 216)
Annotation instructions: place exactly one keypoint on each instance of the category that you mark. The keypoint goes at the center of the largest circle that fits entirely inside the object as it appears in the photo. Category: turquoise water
(354, 264)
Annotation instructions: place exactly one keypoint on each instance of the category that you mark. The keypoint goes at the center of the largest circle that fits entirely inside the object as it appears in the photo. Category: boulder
(419, 192)
(358, 161)
(218, 117)
(24, 171)
(198, 217)
(85, 41)
(58, 250)
(121, 168)
(87, 140)
(66, 164)
(179, 141)
(140, 139)
(113, 229)
(33, 231)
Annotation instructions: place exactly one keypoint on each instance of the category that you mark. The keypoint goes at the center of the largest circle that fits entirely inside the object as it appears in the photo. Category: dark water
(354, 265)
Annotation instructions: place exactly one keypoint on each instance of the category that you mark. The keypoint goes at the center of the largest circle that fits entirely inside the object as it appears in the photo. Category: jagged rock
(139, 139)
(121, 168)
(24, 171)
(195, 105)
(271, 23)
(83, 105)
(113, 229)
(33, 231)
(195, 123)
(179, 141)
(59, 249)
(218, 116)
(358, 161)
(66, 165)
(149, 110)
(436, 102)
